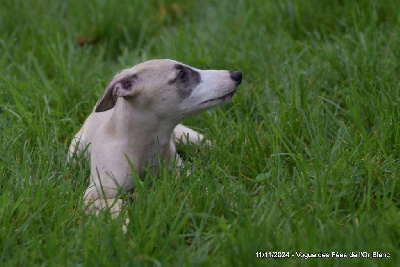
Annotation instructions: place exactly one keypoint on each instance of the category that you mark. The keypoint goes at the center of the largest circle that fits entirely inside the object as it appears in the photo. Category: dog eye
(182, 75)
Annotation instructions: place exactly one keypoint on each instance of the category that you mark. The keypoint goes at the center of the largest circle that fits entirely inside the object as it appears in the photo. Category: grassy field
(306, 156)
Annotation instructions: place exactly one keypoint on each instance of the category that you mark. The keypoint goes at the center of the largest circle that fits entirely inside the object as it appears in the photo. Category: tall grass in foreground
(306, 156)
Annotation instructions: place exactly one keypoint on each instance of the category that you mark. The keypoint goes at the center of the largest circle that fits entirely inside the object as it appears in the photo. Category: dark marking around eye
(182, 75)
(186, 80)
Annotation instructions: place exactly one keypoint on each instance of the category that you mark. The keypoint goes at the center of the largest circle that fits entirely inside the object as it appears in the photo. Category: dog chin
(218, 100)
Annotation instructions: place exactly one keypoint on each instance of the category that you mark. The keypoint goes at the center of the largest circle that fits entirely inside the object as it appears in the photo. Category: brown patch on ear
(108, 100)
(124, 87)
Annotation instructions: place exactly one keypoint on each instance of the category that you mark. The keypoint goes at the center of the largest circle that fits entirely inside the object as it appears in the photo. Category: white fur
(142, 124)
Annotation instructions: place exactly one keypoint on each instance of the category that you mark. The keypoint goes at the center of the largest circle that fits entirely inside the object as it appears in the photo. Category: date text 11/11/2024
(333, 254)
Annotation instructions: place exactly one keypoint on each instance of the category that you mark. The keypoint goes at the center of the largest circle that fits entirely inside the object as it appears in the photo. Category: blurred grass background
(306, 155)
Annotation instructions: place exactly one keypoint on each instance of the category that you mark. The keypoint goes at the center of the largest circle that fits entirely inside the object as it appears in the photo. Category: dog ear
(123, 87)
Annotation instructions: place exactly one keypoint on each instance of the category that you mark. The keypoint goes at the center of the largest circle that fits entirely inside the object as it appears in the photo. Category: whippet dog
(136, 123)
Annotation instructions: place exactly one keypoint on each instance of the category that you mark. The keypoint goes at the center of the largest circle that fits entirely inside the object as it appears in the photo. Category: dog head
(170, 89)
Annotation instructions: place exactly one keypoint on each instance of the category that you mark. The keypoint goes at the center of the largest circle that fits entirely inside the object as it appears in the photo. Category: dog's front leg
(98, 205)
(78, 147)
(173, 158)
(94, 204)
(185, 134)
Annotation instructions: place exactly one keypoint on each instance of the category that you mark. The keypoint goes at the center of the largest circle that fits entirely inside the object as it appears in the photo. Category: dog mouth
(221, 98)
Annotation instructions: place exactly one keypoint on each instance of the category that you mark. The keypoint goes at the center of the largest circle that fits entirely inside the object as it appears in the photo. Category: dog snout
(236, 76)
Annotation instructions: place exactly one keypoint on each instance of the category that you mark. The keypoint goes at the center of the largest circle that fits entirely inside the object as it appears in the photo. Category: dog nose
(236, 76)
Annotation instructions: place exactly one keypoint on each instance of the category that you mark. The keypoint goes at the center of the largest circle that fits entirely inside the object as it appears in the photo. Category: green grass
(306, 156)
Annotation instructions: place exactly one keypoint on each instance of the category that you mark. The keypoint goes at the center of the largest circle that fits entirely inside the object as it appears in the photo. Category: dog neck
(144, 133)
